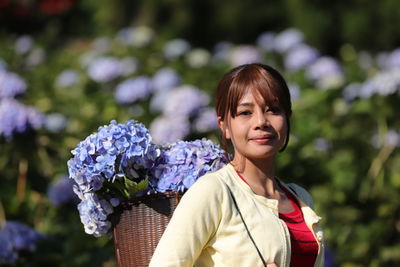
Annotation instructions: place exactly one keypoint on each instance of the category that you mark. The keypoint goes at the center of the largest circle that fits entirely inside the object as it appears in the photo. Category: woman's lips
(262, 139)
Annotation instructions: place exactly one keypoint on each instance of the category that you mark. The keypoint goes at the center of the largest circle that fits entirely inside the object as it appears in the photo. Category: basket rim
(145, 198)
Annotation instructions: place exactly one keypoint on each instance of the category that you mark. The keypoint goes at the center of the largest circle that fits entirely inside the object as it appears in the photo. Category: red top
(303, 243)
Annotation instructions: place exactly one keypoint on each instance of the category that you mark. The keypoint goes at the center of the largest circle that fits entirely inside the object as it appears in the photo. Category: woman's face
(258, 131)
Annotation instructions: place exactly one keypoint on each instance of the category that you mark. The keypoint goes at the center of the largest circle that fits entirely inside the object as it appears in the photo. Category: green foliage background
(355, 185)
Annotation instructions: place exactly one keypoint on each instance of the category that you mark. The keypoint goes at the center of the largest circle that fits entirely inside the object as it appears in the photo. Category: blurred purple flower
(23, 44)
(60, 192)
(245, 54)
(176, 48)
(55, 122)
(101, 45)
(35, 57)
(326, 72)
(67, 78)
(198, 58)
(165, 79)
(133, 89)
(322, 144)
(222, 51)
(3, 65)
(105, 69)
(138, 36)
(389, 60)
(182, 163)
(169, 129)
(287, 40)
(206, 121)
(383, 83)
(352, 91)
(16, 237)
(300, 56)
(266, 41)
(185, 101)
(294, 90)
(391, 138)
(16, 117)
(159, 100)
(11, 84)
(129, 65)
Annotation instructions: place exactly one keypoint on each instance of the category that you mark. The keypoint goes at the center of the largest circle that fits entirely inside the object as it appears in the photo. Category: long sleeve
(193, 223)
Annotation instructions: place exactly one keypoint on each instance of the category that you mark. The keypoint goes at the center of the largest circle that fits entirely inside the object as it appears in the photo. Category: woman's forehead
(254, 96)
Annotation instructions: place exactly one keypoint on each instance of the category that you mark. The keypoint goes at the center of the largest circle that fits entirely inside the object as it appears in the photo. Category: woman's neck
(260, 175)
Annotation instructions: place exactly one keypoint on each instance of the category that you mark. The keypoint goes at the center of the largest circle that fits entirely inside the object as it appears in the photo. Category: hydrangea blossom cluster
(182, 163)
(326, 72)
(60, 192)
(105, 69)
(166, 129)
(16, 117)
(94, 211)
(300, 56)
(206, 120)
(14, 238)
(185, 101)
(67, 78)
(245, 54)
(176, 48)
(11, 84)
(109, 161)
(133, 89)
(115, 151)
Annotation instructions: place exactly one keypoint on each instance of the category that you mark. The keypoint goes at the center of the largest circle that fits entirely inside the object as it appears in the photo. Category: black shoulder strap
(245, 226)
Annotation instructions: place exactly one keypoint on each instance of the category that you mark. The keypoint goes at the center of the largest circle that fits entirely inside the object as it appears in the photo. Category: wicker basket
(140, 226)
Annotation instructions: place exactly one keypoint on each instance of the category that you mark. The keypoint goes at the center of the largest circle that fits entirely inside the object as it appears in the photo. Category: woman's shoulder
(302, 194)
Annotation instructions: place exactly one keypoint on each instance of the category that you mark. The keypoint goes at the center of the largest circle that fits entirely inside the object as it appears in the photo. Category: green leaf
(133, 188)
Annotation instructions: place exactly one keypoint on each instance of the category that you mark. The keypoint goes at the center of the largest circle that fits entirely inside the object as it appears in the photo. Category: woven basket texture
(140, 226)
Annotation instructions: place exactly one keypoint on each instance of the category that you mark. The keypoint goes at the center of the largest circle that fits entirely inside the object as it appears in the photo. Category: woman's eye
(244, 113)
(274, 110)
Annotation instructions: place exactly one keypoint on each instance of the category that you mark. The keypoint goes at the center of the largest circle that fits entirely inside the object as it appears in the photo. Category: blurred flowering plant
(16, 237)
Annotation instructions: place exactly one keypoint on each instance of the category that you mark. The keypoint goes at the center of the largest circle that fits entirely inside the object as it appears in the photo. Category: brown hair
(257, 77)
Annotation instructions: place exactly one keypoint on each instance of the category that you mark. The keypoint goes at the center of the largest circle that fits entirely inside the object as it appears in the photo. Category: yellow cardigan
(206, 229)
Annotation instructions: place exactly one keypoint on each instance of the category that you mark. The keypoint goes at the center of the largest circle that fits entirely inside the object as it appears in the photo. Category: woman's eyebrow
(246, 104)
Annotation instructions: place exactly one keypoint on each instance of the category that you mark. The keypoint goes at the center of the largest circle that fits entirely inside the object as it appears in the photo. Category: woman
(242, 214)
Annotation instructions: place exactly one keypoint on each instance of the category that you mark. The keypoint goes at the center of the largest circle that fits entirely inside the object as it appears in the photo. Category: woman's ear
(223, 127)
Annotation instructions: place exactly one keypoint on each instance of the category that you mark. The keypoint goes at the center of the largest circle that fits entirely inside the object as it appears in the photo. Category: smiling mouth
(262, 139)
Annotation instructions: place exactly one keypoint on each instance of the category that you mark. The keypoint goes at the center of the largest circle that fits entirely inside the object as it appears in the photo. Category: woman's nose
(262, 120)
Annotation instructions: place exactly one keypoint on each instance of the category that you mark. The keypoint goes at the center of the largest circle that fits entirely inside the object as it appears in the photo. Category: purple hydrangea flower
(383, 83)
(294, 90)
(245, 54)
(352, 91)
(55, 122)
(389, 60)
(35, 57)
(129, 65)
(326, 72)
(222, 51)
(176, 48)
(133, 89)
(198, 58)
(14, 238)
(101, 45)
(60, 192)
(3, 65)
(391, 138)
(287, 40)
(206, 121)
(105, 69)
(322, 144)
(300, 56)
(94, 212)
(16, 117)
(266, 41)
(166, 79)
(115, 151)
(169, 129)
(186, 101)
(139, 36)
(67, 78)
(182, 163)
(23, 44)
(11, 84)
